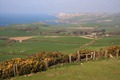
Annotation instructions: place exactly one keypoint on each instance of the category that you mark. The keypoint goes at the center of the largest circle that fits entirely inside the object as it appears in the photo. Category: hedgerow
(37, 62)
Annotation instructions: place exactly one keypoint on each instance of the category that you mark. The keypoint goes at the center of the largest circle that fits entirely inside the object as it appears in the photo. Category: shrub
(113, 50)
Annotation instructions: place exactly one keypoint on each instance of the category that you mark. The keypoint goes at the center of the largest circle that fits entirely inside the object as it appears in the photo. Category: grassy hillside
(45, 44)
(104, 42)
(98, 70)
(66, 45)
(2, 42)
(13, 32)
(62, 39)
(4, 57)
(104, 20)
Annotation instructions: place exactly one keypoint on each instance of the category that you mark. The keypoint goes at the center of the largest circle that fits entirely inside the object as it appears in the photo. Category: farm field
(13, 32)
(37, 44)
(104, 42)
(2, 42)
(98, 70)
(4, 57)
(45, 43)
(64, 44)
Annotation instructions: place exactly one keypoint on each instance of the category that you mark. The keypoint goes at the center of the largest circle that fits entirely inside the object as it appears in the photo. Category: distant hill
(100, 19)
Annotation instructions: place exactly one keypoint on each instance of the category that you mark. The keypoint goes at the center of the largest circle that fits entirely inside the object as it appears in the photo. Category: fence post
(46, 63)
(70, 59)
(78, 55)
(97, 56)
(86, 57)
(14, 70)
(106, 54)
(91, 55)
(117, 53)
(94, 55)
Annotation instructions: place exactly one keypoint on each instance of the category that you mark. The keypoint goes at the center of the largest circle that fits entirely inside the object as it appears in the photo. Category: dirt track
(20, 38)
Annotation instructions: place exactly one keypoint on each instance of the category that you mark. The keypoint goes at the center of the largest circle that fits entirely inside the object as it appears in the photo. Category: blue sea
(6, 20)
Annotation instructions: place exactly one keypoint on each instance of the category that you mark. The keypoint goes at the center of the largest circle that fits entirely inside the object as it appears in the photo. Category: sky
(57, 6)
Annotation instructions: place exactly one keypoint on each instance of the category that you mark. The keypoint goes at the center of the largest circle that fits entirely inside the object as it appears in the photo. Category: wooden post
(14, 70)
(86, 57)
(91, 55)
(106, 54)
(94, 55)
(69, 58)
(117, 53)
(46, 63)
(78, 55)
(98, 56)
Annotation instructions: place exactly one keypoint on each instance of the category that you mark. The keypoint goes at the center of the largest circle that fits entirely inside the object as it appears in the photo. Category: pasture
(64, 44)
(4, 57)
(98, 70)
(104, 42)
(10, 32)
(2, 42)
(37, 44)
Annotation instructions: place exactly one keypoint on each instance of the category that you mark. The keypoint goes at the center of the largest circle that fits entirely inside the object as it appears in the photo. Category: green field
(98, 70)
(104, 42)
(64, 44)
(45, 44)
(10, 32)
(2, 42)
(4, 57)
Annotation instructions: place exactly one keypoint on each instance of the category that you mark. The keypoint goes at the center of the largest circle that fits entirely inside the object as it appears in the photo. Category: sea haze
(6, 19)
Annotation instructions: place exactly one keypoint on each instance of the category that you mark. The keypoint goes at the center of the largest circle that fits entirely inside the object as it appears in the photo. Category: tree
(103, 31)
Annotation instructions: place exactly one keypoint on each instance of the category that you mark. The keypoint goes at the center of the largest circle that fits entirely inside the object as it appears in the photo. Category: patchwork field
(64, 44)
(42, 43)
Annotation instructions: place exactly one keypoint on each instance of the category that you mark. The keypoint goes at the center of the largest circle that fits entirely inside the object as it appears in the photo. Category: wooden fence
(90, 56)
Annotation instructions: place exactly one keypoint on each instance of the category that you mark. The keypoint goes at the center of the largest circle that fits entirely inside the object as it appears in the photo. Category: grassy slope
(66, 45)
(98, 70)
(13, 32)
(46, 44)
(104, 42)
(4, 57)
(2, 42)
(62, 39)
(33, 47)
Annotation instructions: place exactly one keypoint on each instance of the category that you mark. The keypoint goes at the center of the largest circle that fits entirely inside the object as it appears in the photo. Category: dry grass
(20, 38)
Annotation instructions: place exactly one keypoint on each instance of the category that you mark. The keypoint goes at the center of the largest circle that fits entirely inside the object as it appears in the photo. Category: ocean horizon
(6, 19)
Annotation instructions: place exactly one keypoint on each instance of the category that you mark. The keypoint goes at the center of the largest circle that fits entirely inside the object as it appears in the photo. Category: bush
(37, 62)
(113, 50)
(32, 64)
